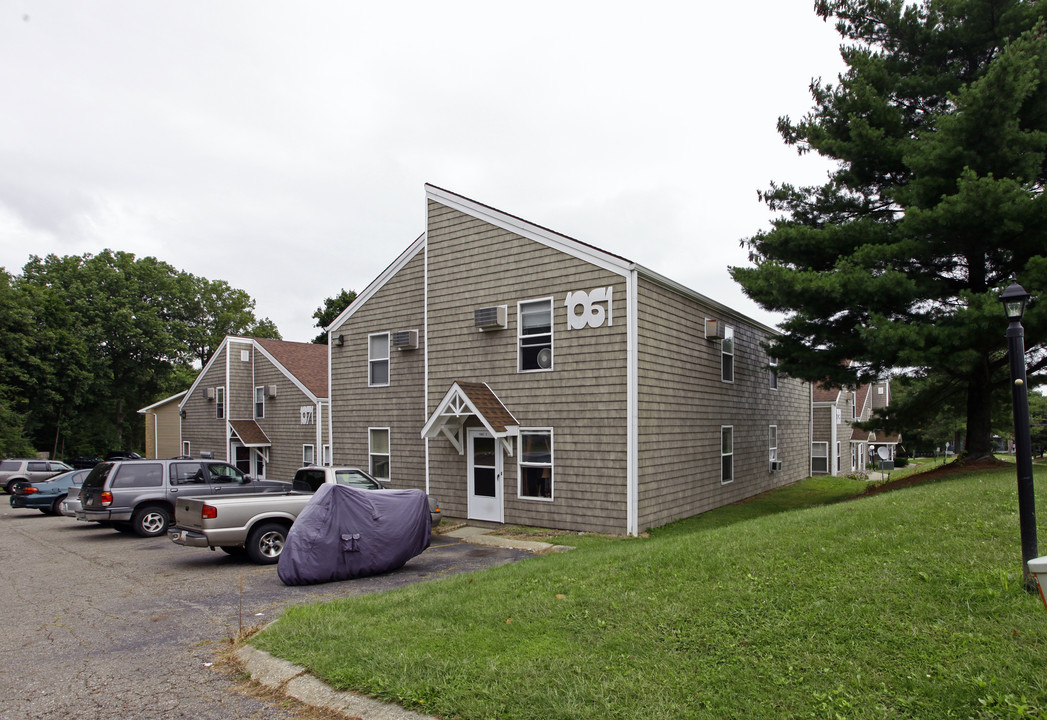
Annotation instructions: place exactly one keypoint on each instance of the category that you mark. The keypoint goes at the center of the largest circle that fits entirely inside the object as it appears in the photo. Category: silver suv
(139, 495)
(28, 470)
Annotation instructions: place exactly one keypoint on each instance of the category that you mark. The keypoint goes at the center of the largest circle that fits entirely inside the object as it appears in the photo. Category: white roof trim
(578, 249)
(457, 405)
(203, 371)
(147, 408)
(379, 282)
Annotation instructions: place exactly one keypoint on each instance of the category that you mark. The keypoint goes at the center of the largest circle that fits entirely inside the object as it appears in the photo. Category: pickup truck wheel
(150, 521)
(266, 542)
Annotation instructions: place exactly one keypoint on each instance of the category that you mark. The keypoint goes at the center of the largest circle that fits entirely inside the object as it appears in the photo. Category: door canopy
(466, 400)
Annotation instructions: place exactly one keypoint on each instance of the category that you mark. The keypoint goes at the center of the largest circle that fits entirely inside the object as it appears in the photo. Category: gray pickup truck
(257, 525)
(140, 495)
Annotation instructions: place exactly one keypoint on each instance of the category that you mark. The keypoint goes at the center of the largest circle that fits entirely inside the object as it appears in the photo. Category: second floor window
(219, 399)
(378, 360)
(259, 401)
(727, 355)
(535, 329)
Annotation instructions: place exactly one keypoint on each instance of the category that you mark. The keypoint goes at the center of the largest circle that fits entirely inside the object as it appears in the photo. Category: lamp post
(1014, 299)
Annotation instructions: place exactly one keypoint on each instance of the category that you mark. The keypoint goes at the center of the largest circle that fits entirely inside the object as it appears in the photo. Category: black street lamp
(1014, 299)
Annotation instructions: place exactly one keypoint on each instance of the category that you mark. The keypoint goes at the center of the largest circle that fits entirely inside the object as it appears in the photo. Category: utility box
(886, 465)
(1038, 567)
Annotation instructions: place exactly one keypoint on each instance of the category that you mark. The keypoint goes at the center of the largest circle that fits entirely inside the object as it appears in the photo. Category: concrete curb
(482, 536)
(295, 682)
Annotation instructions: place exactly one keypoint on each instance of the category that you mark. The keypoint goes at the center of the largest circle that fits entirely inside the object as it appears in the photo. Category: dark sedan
(47, 496)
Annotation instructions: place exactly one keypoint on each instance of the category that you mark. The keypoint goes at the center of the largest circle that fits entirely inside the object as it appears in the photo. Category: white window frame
(772, 443)
(388, 454)
(521, 464)
(185, 448)
(726, 432)
(772, 364)
(259, 401)
(308, 454)
(219, 403)
(326, 454)
(373, 361)
(815, 456)
(727, 355)
(520, 335)
(854, 405)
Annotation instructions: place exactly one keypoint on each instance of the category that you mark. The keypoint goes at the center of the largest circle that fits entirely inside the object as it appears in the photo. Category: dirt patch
(944, 471)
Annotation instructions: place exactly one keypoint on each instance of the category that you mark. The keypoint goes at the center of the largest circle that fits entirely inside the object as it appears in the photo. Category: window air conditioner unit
(270, 391)
(775, 466)
(490, 318)
(405, 339)
(209, 394)
(714, 330)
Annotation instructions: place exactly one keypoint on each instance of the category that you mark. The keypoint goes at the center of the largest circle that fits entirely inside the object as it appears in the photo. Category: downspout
(632, 407)
(425, 326)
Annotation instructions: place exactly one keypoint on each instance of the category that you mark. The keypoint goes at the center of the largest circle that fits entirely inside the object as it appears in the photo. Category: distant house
(260, 404)
(163, 429)
(837, 446)
(522, 376)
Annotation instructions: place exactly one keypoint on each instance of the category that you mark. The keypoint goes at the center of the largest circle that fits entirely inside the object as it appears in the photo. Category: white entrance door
(485, 476)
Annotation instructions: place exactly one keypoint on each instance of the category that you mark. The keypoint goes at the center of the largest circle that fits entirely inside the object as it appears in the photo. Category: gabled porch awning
(249, 434)
(471, 399)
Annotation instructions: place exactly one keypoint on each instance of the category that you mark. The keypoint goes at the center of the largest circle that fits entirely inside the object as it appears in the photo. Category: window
(378, 452)
(222, 473)
(138, 474)
(187, 474)
(259, 402)
(854, 405)
(355, 478)
(726, 454)
(772, 366)
(245, 356)
(308, 454)
(820, 457)
(185, 448)
(535, 328)
(378, 360)
(727, 355)
(536, 464)
(219, 403)
(327, 454)
(772, 443)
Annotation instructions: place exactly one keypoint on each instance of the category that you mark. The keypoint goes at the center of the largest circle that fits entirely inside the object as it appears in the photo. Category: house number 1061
(586, 308)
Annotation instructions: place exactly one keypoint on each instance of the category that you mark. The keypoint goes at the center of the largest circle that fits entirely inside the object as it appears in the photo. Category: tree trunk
(979, 413)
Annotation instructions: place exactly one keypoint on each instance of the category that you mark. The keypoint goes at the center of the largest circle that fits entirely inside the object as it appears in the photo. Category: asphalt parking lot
(98, 624)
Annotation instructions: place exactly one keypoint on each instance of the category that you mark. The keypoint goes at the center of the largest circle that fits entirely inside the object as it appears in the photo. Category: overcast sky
(283, 146)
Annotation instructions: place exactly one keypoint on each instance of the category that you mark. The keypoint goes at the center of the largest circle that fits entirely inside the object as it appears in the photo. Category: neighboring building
(522, 376)
(163, 431)
(837, 446)
(259, 404)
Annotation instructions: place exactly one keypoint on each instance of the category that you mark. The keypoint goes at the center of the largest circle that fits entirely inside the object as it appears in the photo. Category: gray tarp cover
(345, 532)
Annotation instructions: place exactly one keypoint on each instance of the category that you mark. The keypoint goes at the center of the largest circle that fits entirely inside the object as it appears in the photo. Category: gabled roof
(250, 434)
(466, 400)
(304, 364)
(305, 361)
(822, 394)
(159, 403)
(550, 238)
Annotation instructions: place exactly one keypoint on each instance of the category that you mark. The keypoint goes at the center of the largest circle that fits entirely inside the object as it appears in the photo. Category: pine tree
(938, 130)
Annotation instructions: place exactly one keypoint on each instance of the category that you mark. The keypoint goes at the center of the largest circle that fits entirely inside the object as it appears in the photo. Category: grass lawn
(904, 604)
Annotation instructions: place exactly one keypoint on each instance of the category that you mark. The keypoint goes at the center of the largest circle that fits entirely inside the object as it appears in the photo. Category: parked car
(47, 496)
(28, 470)
(122, 455)
(139, 495)
(258, 524)
(71, 504)
(85, 462)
